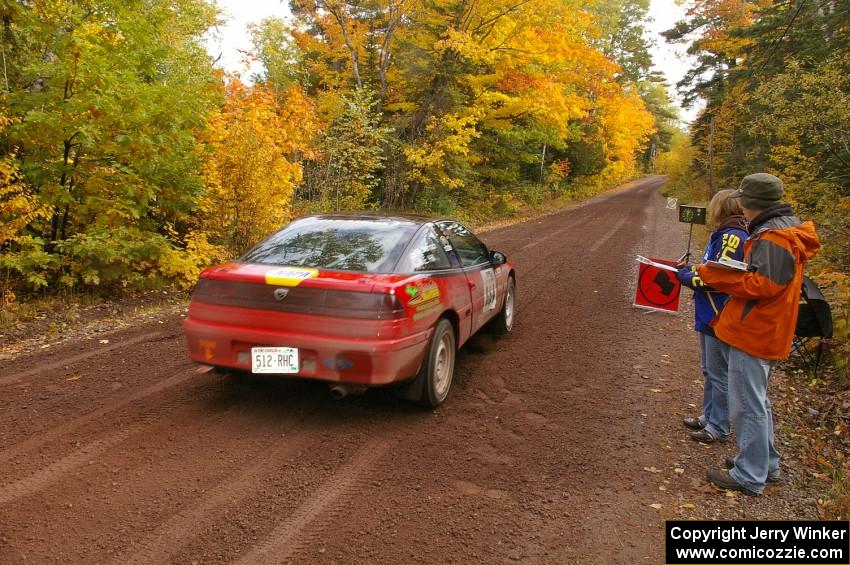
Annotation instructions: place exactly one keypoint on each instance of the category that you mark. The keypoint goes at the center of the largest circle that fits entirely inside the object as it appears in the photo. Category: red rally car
(356, 300)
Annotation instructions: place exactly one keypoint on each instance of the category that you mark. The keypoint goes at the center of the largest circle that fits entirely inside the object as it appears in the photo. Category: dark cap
(759, 191)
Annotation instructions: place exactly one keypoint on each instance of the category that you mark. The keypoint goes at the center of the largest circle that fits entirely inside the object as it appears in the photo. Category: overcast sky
(234, 36)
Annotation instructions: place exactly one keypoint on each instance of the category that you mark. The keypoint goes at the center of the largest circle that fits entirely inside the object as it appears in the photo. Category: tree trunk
(542, 163)
(339, 13)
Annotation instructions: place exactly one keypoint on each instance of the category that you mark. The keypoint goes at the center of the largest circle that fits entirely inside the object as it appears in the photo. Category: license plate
(274, 360)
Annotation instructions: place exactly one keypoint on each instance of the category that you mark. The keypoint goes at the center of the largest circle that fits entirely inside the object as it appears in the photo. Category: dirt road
(120, 453)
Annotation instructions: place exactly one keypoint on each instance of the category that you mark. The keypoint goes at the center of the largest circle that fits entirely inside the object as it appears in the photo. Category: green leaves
(107, 97)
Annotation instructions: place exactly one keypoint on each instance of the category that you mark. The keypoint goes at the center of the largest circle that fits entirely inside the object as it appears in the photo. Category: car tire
(431, 385)
(503, 323)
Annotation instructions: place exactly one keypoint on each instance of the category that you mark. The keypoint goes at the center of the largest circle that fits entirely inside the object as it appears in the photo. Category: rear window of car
(363, 245)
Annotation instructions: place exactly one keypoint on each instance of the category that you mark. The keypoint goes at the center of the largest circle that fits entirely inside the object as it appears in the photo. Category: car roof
(402, 217)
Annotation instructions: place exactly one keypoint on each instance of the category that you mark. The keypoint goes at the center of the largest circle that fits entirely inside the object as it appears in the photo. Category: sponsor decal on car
(424, 298)
(290, 276)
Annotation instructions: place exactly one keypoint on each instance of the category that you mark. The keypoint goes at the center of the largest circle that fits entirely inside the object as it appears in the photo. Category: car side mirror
(498, 258)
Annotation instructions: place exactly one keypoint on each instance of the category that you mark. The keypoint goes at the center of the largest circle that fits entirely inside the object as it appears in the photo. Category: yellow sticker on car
(290, 276)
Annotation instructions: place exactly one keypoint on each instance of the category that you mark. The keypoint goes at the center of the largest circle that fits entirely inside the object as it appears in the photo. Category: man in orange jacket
(757, 325)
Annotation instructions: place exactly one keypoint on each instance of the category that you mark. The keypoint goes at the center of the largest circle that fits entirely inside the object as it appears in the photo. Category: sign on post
(691, 214)
(657, 287)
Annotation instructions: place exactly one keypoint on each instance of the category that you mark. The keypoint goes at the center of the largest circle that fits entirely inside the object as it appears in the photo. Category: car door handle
(471, 284)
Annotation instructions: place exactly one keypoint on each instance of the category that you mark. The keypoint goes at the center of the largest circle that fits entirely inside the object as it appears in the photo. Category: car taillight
(363, 305)
(391, 307)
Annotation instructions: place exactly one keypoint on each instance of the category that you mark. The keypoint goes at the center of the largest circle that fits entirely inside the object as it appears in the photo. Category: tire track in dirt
(541, 240)
(150, 336)
(46, 476)
(172, 535)
(42, 438)
(529, 305)
(286, 538)
(611, 232)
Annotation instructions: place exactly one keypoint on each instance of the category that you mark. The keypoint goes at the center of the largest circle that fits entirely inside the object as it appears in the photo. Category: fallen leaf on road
(678, 470)
(652, 469)
(73, 378)
(104, 341)
(692, 405)
(731, 494)
(688, 505)
(655, 390)
(657, 506)
(662, 488)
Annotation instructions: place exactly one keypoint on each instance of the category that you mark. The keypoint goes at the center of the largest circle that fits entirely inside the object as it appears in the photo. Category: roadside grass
(44, 320)
(62, 308)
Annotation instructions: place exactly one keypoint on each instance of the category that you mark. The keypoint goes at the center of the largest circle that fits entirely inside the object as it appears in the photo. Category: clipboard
(729, 265)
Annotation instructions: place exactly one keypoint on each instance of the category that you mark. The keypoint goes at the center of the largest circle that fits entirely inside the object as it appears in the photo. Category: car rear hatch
(272, 297)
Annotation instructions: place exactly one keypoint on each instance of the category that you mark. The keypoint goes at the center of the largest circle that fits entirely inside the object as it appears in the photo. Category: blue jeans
(752, 418)
(715, 405)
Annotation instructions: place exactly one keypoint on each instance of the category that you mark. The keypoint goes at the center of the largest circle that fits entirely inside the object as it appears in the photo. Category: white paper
(729, 264)
(645, 261)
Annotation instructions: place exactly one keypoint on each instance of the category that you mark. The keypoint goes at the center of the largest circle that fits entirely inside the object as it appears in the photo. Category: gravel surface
(560, 443)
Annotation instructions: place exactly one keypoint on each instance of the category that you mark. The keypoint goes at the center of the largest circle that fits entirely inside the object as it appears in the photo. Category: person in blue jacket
(727, 241)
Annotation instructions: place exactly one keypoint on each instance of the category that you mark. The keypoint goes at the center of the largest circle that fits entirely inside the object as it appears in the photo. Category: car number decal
(488, 276)
(290, 276)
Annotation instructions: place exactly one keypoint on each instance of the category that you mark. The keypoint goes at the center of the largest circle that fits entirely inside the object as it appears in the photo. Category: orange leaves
(518, 81)
(252, 172)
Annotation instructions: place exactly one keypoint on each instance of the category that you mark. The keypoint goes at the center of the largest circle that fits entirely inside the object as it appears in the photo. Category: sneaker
(730, 462)
(693, 423)
(722, 479)
(703, 436)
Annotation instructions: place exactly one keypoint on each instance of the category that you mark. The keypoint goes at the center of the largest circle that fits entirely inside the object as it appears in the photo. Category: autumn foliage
(128, 160)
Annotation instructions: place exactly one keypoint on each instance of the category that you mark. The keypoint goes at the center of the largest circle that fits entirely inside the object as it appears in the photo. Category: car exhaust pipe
(341, 391)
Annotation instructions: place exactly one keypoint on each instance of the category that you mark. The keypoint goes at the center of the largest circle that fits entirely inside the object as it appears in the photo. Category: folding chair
(814, 321)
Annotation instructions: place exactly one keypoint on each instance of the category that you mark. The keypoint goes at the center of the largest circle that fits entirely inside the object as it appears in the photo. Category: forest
(128, 159)
(775, 80)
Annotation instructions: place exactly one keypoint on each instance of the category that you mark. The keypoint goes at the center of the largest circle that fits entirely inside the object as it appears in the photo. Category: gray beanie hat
(759, 191)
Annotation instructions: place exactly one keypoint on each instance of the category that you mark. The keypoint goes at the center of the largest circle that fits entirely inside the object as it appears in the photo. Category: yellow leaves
(449, 135)
(626, 126)
(18, 205)
(184, 267)
(464, 45)
(249, 178)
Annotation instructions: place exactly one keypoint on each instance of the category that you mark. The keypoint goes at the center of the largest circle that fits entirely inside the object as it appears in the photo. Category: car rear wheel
(435, 377)
(504, 321)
